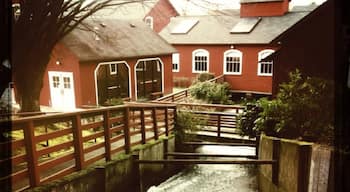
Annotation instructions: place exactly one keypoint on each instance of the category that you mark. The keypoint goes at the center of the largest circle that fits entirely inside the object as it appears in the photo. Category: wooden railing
(183, 94)
(46, 147)
(217, 122)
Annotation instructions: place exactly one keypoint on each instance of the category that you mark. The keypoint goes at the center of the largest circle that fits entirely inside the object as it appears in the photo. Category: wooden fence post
(155, 127)
(166, 122)
(107, 135)
(127, 130)
(30, 146)
(219, 125)
(257, 144)
(275, 156)
(143, 128)
(78, 142)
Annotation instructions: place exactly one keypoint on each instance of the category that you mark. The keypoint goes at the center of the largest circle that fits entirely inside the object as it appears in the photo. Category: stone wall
(301, 166)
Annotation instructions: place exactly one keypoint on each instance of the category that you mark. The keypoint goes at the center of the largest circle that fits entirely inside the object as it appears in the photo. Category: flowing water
(214, 178)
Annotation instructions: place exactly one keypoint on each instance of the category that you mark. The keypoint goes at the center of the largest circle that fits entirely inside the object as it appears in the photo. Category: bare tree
(37, 26)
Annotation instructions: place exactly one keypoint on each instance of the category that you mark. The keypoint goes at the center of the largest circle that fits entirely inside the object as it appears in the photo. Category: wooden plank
(54, 134)
(155, 127)
(78, 142)
(126, 130)
(55, 148)
(207, 155)
(107, 134)
(217, 143)
(143, 129)
(34, 178)
(206, 161)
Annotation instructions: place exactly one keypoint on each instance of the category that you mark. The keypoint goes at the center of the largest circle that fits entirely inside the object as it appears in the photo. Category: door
(62, 90)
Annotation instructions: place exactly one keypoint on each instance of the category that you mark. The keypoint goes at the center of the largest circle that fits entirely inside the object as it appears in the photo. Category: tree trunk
(29, 102)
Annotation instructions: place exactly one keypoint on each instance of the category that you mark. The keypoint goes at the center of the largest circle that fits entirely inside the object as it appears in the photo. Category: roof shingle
(117, 39)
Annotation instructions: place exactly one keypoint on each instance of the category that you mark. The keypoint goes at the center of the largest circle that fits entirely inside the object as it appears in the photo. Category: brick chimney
(261, 8)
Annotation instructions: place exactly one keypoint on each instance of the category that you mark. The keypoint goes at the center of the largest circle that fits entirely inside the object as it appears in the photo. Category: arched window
(176, 62)
(200, 61)
(233, 62)
(265, 67)
(149, 21)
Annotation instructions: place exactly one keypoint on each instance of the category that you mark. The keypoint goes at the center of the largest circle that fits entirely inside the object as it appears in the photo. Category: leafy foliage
(186, 122)
(114, 101)
(204, 77)
(302, 109)
(211, 92)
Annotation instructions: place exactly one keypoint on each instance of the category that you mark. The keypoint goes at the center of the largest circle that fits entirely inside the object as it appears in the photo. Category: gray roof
(215, 29)
(118, 39)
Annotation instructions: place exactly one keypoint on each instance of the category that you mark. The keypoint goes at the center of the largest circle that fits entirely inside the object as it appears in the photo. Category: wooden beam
(218, 143)
(205, 161)
(207, 155)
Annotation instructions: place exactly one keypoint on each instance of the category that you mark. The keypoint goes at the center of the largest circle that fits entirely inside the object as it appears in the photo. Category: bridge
(42, 148)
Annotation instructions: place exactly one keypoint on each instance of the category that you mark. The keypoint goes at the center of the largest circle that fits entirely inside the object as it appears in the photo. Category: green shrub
(114, 101)
(186, 122)
(211, 92)
(303, 109)
(204, 77)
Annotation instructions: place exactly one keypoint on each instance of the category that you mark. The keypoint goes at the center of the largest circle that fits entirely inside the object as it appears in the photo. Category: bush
(186, 122)
(211, 92)
(204, 77)
(303, 109)
(114, 101)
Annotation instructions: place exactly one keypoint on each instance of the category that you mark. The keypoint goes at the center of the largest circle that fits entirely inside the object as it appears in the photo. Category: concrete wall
(301, 166)
(120, 174)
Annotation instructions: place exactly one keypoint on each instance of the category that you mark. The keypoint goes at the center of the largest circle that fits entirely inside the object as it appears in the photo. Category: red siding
(84, 78)
(69, 63)
(247, 81)
(161, 13)
(308, 46)
(264, 9)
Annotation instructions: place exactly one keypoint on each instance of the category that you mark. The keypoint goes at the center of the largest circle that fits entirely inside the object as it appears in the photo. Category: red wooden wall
(247, 81)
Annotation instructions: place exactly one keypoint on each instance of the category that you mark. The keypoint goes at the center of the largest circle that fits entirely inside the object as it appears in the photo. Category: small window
(265, 67)
(56, 81)
(233, 62)
(176, 62)
(159, 66)
(66, 82)
(149, 21)
(113, 69)
(200, 61)
(141, 66)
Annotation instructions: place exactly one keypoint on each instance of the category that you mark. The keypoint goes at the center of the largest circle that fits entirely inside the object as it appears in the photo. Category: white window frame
(195, 53)
(176, 61)
(233, 53)
(260, 56)
(149, 21)
(113, 72)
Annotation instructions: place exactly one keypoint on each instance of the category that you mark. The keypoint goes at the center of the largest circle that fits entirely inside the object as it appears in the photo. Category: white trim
(259, 66)
(178, 62)
(240, 55)
(115, 68)
(148, 59)
(193, 61)
(107, 63)
(151, 21)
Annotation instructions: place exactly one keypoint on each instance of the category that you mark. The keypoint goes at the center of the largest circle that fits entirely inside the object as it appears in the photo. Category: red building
(155, 13)
(309, 46)
(232, 44)
(117, 59)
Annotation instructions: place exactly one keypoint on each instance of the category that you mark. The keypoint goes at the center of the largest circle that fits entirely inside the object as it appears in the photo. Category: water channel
(214, 178)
